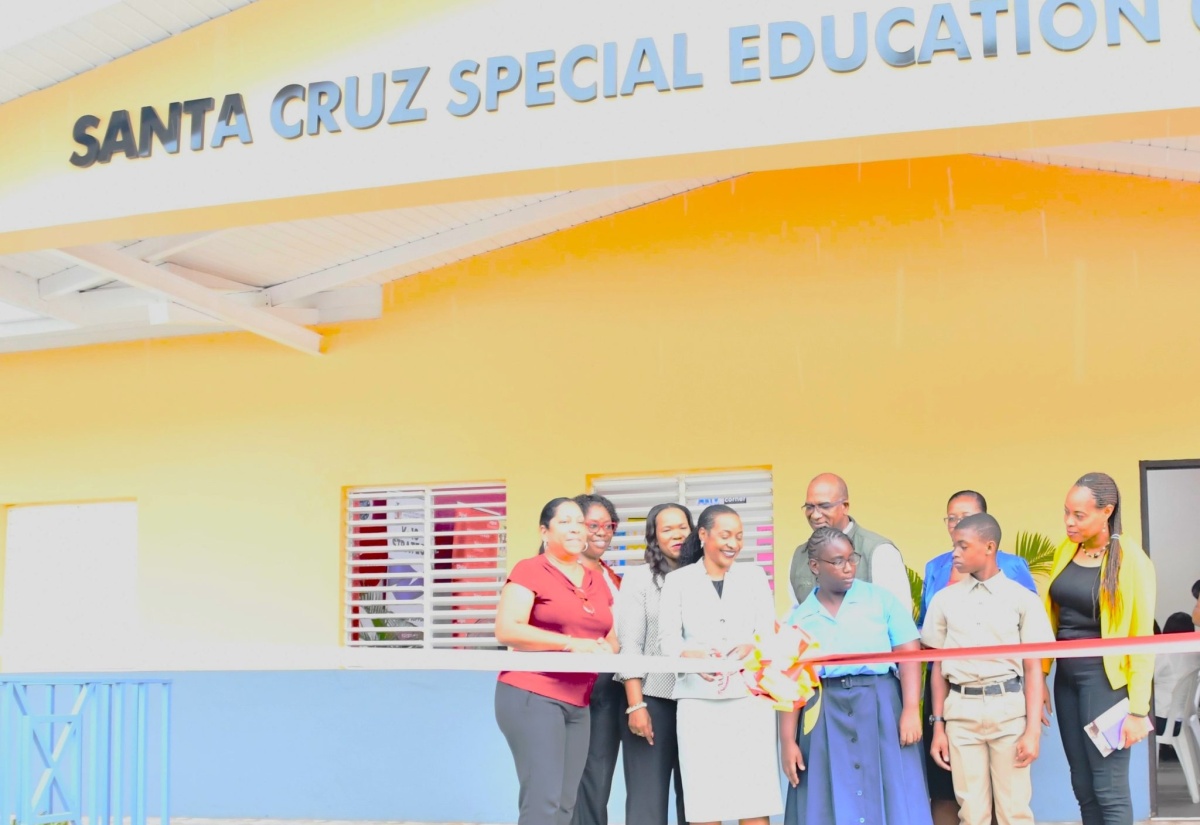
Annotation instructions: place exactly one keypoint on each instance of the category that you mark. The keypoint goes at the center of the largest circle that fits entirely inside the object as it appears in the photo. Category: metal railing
(84, 749)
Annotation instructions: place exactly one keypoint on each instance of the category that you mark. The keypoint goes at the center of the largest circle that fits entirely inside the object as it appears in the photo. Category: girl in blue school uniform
(865, 764)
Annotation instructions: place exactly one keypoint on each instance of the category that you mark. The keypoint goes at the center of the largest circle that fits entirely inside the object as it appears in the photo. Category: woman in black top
(1100, 587)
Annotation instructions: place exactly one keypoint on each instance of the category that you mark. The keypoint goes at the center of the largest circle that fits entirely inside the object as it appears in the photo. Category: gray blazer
(693, 617)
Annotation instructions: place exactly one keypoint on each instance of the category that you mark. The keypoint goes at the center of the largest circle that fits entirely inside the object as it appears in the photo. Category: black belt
(1013, 685)
(850, 681)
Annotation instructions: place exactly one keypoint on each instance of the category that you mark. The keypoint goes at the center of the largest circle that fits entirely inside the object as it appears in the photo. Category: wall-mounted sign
(282, 110)
(780, 50)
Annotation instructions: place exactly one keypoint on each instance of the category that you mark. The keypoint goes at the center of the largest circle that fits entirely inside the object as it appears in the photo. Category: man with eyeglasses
(827, 504)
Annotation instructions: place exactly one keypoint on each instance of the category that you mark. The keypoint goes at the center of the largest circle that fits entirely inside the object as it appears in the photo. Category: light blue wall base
(411, 745)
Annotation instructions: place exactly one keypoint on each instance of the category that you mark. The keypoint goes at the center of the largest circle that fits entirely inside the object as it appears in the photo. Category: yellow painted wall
(918, 327)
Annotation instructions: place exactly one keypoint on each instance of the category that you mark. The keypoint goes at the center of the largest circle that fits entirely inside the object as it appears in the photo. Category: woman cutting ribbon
(713, 607)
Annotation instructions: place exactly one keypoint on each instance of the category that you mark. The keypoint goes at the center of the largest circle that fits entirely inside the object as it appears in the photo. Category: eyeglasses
(953, 520)
(600, 526)
(823, 506)
(840, 564)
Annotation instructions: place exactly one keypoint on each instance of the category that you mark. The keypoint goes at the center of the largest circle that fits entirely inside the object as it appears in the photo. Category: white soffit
(270, 254)
(47, 43)
(275, 280)
(10, 314)
(1175, 158)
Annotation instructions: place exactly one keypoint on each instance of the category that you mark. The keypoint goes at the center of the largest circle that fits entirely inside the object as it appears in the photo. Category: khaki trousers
(983, 732)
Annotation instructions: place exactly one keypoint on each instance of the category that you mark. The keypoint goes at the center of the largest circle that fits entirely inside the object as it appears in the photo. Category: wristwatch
(934, 719)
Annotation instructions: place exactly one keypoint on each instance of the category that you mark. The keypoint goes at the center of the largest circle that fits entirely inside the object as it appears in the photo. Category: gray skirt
(728, 759)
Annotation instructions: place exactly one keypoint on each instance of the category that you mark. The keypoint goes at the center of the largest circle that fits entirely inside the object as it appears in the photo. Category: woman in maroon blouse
(551, 602)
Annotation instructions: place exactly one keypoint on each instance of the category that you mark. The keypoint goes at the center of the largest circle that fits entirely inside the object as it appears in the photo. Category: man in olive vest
(828, 505)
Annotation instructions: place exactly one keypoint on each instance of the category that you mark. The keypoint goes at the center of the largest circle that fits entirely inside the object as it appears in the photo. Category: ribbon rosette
(776, 670)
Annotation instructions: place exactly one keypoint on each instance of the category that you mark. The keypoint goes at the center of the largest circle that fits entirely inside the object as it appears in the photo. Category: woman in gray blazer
(713, 607)
(648, 741)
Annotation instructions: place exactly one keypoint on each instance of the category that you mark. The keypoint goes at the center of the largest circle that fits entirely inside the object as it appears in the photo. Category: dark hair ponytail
(692, 550)
(655, 559)
(548, 512)
(1104, 492)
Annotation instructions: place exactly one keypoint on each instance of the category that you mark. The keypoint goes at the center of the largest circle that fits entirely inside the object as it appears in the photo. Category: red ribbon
(1077, 648)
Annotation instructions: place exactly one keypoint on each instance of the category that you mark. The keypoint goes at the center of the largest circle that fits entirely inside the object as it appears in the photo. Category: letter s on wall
(89, 142)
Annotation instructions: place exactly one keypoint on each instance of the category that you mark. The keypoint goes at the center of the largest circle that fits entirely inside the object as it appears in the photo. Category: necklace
(1095, 554)
(567, 568)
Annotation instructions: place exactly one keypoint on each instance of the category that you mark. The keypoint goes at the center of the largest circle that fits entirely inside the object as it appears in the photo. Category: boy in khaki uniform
(986, 711)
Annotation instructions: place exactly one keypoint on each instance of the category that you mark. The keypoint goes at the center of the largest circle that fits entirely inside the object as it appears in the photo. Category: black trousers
(549, 743)
(649, 768)
(1101, 783)
(607, 714)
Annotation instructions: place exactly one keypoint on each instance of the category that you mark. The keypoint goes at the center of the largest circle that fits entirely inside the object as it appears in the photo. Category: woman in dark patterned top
(651, 751)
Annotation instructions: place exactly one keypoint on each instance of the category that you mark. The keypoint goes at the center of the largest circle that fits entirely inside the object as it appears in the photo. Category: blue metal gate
(74, 749)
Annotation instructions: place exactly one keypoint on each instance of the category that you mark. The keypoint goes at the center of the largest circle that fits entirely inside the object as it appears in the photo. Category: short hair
(984, 525)
(979, 499)
(1178, 623)
(587, 501)
(1196, 589)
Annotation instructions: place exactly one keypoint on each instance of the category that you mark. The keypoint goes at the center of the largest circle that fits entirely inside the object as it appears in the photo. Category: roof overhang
(247, 225)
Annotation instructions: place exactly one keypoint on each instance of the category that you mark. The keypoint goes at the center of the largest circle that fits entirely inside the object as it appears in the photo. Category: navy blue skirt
(857, 773)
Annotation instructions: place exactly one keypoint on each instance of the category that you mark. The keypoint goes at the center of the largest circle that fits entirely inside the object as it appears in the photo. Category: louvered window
(424, 565)
(747, 491)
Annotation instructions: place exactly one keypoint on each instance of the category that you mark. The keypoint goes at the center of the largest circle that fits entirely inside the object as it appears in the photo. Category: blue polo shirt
(937, 576)
(870, 620)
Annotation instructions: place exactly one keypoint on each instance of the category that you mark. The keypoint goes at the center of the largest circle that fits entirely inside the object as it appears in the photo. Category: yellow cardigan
(1137, 589)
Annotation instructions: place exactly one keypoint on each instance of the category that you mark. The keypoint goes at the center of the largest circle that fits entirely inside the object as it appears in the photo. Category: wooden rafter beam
(151, 250)
(22, 291)
(180, 290)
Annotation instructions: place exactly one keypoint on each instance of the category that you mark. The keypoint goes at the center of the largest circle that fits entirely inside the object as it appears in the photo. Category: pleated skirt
(728, 759)
(858, 774)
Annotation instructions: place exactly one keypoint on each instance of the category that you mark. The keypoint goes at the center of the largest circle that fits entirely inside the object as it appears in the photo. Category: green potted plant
(1038, 551)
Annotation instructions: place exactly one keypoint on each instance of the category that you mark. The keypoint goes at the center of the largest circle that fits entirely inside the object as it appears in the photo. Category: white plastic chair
(1193, 722)
(1187, 741)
